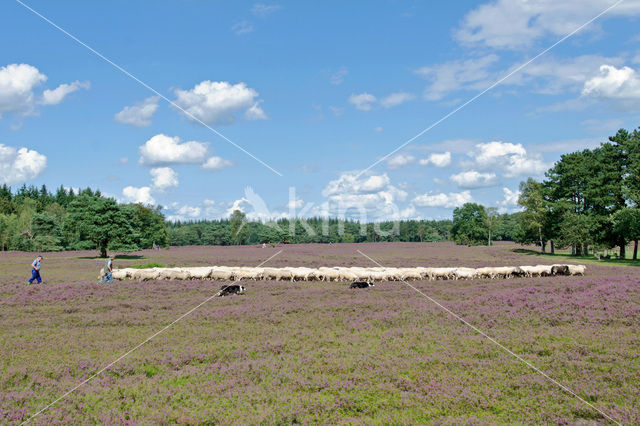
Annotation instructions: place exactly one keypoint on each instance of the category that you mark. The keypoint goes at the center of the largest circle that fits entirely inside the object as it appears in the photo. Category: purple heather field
(317, 352)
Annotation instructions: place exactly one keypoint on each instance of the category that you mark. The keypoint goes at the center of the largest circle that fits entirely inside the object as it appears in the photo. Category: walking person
(35, 270)
(108, 271)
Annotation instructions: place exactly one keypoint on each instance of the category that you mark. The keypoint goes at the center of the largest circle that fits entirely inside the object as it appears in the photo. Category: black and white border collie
(361, 284)
(227, 290)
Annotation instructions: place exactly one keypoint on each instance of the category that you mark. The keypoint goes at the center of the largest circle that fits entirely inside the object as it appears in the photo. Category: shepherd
(35, 271)
(108, 271)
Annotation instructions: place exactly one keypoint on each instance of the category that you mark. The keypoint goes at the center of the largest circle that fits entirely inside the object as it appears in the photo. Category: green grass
(561, 255)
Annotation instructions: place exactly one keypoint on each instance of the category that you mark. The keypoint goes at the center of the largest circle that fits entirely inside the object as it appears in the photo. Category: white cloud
(140, 114)
(395, 99)
(57, 95)
(255, 113)
(216, 163)
(438, 160)
(455, 75)
(217, 102)
(509, 24)
(263, 10)
(369, 196)
(162, 149)
(378, 129)
(613, 83)
(510, 198)
(512, 158)
(141, 195)
(474, 179)
(450, 200)
(242, 27)
(17, 82)
(363, 101)
(164, 177)
(17, 85)
(20, 164)
(553, 76)
(400, 160)
(189, 211)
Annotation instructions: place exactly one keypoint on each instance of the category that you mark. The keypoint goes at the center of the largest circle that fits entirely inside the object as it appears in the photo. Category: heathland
(287, 352)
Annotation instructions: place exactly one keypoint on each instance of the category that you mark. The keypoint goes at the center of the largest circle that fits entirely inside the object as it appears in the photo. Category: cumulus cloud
(141, 195)
(474, 179)
(189, 211)
(363, 101)
(399, 161)
(164, 150)
(438, 160)
(20, 164)
(613, 83)
(140, 114)
(395, 99)
(17, 82)
(164, 177)
(510, 198)
(513, 159)
(450, 200)
(17, 90)
(57, 95)
(216, 163)
(371, 196)
(255, 113)
(508, 24)
(217, 102)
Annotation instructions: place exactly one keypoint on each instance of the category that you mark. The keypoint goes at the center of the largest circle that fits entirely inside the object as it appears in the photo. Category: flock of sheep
(237, 273)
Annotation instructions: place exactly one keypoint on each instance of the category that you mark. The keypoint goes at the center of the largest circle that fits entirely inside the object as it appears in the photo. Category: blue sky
(317, 91)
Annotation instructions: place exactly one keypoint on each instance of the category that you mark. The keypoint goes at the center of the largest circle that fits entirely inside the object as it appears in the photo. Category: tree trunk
(103, 251)
(553, 248)
(623, 249)
(586, 249)
(573, 249)
(635, 250)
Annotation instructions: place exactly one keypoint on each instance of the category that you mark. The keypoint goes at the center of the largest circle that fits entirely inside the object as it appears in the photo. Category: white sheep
(464, 273)
(577, 269)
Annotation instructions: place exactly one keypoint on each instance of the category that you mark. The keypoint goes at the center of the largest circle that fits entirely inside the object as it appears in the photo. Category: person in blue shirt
(108, 271)
(35, 270)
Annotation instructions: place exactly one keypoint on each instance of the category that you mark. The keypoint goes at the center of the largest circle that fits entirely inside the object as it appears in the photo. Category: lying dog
(227, 290)
(361, 284)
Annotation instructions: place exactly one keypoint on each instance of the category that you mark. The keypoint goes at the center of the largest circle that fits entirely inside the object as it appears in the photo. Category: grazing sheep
(361, 284)
(443, 273)
(464, 273)
(559, 269)
(341, 273)
(486, 272)
(227, 290)
(221, 273)
(577, 269)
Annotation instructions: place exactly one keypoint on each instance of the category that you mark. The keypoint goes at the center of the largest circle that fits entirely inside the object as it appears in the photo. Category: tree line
(35, 219)
(589, 200)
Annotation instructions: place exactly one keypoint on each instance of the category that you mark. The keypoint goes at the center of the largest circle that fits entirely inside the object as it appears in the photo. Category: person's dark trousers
(35, 275)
